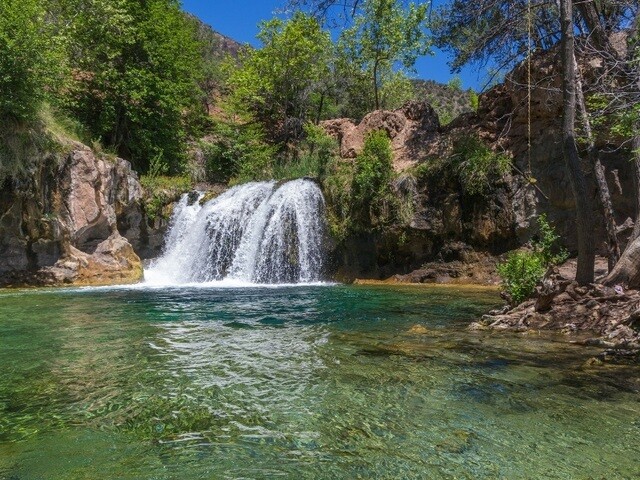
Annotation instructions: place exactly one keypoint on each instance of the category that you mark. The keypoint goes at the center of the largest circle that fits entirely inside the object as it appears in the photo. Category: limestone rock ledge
(59, 226)
(113, 263)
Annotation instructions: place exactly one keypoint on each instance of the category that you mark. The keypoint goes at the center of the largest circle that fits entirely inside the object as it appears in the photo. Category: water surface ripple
(299, 382)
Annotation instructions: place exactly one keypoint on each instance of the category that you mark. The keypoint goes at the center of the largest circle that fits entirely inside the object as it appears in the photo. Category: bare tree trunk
(584, 212)
(627, 271)
(636, 181)
(613, 247)
(635, 145)
(589, 12)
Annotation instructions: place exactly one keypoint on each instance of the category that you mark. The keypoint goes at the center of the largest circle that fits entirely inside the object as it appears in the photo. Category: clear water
(299, 382)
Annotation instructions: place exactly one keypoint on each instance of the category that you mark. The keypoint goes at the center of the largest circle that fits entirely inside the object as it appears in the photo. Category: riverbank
(594, 315)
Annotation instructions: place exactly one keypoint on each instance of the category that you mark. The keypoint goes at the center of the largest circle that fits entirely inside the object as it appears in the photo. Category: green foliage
(473, 164)
(337, 186)
(276, 83)
(609, 118)
(161, 191)
(446, 116)
(310, 158)
(21, 147)
(474, 100)
(396, 90)
(385, 34)
(477, 165)
(373, 168)
(455, 83)
(238, 153)
(135, 71)
(157, 167)
(30, 59)
(63, 127)
(359, 193)
(546, 245)
(214, 63)
(446, 101)
(371, 183)
(523, 270)
(520, 274)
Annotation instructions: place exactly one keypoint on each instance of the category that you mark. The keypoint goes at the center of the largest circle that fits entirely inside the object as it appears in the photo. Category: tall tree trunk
(589, 13)
(634, 54)
(636, 182)
(375, 84)
(627, 271)
(584, 212)
(613, 247)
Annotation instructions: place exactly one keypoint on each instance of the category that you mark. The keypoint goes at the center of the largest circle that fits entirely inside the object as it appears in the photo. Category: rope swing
(528, 175)
(529, 89)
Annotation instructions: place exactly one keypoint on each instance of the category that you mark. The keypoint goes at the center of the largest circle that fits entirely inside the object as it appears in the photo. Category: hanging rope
(529, 89)
(528, 175)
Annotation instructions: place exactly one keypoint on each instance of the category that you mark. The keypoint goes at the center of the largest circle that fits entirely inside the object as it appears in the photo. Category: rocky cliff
(450, 225)
(60, 224)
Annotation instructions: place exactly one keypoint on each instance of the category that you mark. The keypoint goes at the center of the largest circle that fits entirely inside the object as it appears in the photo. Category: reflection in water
(304, 382)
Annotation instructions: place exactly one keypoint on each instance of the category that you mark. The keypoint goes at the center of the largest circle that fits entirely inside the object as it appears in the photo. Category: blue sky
(239, 20)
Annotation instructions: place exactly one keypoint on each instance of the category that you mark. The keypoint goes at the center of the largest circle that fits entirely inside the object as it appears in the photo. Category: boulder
(112, 263)
(410, 127)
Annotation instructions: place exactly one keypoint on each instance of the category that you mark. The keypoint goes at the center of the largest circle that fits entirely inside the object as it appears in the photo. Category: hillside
(217, 45)
(449, 102)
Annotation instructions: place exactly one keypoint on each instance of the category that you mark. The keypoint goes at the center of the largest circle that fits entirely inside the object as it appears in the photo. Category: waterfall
(259, 232)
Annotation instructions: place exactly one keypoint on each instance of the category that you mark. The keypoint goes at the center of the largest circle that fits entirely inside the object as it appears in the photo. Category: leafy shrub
(359, 193)
(547, 243)
(474, 101)
(477, 165)
(472, 164)
(238, 153)
(337, 185)
(522, 270)
(373, 167)
(161, 191)
(157, 166)
(520, 274)
(310, 158)
(372, 200)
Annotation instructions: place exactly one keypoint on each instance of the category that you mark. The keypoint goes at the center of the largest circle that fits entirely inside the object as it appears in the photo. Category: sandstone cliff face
(60, 225)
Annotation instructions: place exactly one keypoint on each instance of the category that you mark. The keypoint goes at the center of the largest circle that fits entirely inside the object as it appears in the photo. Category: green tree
(30, 59)
(371, 181)
(282, 84)
(385, 35)
(135, 72)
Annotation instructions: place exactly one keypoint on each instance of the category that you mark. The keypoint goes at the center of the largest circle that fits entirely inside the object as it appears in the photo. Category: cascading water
(260, 232)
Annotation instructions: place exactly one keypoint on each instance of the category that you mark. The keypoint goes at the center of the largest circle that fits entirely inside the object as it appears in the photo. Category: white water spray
(253, 233)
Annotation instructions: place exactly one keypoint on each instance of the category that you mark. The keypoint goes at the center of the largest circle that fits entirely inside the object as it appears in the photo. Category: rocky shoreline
(594, 315)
